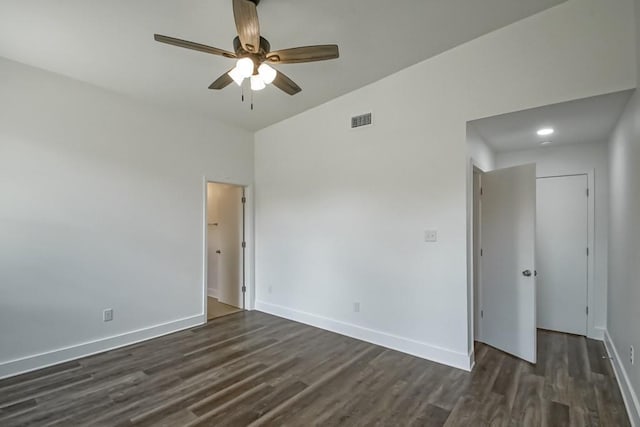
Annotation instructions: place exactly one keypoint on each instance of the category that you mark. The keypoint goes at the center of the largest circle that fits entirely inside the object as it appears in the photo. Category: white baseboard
(628, 393)
(43, 360)
(394, 342)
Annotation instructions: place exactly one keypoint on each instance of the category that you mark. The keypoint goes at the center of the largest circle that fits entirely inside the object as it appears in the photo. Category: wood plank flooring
(253, 369)
(217, 309)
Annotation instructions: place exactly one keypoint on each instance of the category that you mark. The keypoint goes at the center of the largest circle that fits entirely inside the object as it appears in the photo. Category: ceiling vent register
(361, 120)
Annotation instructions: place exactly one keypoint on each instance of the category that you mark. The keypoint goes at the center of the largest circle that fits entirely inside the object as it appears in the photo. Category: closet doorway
(225, 237)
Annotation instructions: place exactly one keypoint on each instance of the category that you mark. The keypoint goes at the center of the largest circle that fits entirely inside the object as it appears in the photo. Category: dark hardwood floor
(250, 368)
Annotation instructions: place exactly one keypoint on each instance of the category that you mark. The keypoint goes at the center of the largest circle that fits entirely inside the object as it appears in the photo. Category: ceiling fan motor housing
(258, 57)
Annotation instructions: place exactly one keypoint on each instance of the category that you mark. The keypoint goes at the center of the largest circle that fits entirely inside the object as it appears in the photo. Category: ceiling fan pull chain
(251, 100)
(242, 91)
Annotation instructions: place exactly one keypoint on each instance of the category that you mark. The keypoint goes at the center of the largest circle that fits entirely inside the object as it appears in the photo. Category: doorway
(555, 292)
(225, 247)
(562, 233)
(567, 143)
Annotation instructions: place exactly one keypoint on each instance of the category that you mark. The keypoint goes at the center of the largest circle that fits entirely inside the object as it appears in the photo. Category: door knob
(218, 251)
(526, 273)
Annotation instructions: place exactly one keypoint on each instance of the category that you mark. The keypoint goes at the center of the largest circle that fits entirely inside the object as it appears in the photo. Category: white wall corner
(597, 333)
(50, 358)
(403, 344)
(629, 395)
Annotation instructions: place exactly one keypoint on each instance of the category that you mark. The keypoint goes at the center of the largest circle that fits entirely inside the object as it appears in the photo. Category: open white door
(230, 243)
(508, 260)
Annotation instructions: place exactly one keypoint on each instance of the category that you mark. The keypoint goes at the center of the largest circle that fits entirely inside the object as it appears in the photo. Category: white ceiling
(582, 121)
(110, 44)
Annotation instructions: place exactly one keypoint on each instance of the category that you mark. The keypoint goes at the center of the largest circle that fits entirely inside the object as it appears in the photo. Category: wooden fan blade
(285, 84)
(246, 17)
(222, 81)
(304, 54)
(194, 46)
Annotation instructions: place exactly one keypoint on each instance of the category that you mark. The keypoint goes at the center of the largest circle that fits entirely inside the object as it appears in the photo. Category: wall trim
(628, 393)
(406, 345)
(65, 354)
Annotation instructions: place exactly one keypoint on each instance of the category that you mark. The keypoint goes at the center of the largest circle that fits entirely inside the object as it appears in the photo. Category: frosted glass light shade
(236, 75)
(245, 67)
(267, 73)
(257, 83)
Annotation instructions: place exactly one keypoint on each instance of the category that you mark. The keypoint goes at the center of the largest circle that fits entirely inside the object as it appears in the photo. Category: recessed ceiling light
(545, 142)
(545, 131)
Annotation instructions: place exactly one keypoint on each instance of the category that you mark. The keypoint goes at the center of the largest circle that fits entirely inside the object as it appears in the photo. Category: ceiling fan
(254, 54)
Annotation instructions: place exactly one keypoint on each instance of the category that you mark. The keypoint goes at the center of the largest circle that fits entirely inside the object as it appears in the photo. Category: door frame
(476, 274)
(472, 167)
(592, 330)
(249, 250)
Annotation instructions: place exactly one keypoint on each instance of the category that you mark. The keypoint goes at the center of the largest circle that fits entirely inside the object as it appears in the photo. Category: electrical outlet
(632, 354)
(356, 307)
(107, 315)
(431, 235)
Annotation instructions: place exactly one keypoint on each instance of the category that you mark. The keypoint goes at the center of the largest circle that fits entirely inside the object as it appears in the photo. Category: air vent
(361, 120)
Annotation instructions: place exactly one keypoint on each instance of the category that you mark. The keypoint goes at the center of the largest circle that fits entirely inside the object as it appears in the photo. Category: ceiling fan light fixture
(250, 50)
(267, 73)
(257, 83)
(245, 67)
(237, 76)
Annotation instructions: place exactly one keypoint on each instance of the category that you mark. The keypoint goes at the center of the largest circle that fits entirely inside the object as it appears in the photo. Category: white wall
(212, 261)
(340, 213)
(101, 207)
(575, 159)
(481, 155)
(213, 243)
(623, 314)
(624, 253)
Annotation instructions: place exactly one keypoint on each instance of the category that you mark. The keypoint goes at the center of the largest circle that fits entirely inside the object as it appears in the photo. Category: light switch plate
(107, 315)
(431, 236)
